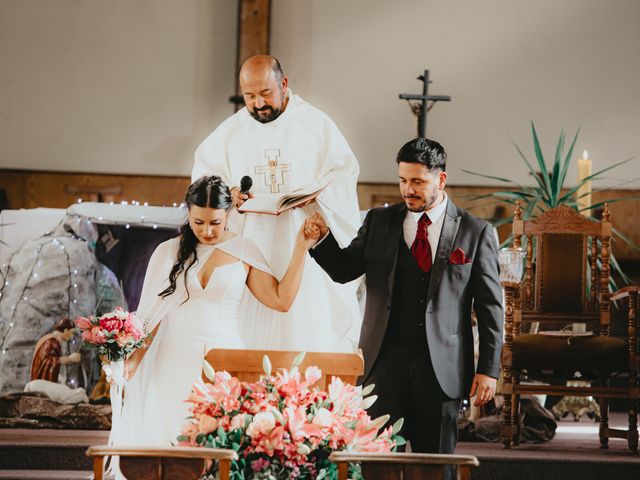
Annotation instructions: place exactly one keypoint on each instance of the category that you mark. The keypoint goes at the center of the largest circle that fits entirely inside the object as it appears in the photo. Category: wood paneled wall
(30, 189)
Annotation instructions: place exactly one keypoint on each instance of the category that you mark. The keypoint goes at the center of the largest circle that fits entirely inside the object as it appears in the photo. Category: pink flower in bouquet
(96, 336)
(341, 435)
(312, 375)
(111, 324)
(83, 323)
(272, 441)
(288, 382)
(226, 391)
(343, 396)
(323, 418)
(259, 464)
(190, 429)
(383, 443)
(238, 421)
(262, 424)
(133, 326)
(123, 338)
(366, 437)
(224, 422)
(200, 393)
(207, 424)
(298, 426)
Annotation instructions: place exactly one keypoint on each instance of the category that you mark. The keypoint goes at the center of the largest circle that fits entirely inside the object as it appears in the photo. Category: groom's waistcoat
(406, 333)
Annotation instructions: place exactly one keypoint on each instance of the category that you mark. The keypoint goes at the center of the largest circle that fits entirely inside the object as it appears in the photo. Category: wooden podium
(247, 364)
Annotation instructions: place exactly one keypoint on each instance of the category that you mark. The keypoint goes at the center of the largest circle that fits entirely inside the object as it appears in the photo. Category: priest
(283, 143)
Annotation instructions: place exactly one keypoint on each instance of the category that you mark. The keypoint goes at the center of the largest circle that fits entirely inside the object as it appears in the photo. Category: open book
(275, 203)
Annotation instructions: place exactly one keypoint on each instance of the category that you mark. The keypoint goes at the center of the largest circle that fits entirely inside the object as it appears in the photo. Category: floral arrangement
(282, 426)
(114, 335)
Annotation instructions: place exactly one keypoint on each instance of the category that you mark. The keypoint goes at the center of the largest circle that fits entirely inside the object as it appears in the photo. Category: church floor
(573, 453)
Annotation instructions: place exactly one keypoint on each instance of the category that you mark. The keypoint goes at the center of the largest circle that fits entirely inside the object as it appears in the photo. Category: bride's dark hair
(206, 192)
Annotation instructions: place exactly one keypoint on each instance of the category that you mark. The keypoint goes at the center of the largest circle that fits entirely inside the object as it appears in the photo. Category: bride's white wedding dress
(154, 408)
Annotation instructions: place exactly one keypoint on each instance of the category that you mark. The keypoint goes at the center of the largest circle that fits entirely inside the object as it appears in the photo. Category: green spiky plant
(549, 191)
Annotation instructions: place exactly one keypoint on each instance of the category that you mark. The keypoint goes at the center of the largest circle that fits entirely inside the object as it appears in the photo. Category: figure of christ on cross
(420, 106)
(273, 172)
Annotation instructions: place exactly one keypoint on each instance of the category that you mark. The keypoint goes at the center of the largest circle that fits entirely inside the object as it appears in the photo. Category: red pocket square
(458, 257)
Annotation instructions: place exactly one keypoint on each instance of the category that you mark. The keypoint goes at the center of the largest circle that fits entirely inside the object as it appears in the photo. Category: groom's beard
(269, 117)
(428, 202)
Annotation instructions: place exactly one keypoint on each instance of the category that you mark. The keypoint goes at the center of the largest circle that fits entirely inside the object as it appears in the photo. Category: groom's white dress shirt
(436, 215)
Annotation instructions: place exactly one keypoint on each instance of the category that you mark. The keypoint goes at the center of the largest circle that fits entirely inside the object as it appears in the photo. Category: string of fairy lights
(72, 286)
(142, 221)
(33, 276)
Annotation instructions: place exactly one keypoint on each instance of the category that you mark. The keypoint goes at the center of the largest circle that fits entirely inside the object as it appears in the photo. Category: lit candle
(583, 194)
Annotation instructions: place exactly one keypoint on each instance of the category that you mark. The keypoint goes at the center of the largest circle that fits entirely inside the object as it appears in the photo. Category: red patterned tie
(421, 249)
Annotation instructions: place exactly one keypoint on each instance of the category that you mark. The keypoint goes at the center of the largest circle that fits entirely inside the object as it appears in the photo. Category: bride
(190, 301)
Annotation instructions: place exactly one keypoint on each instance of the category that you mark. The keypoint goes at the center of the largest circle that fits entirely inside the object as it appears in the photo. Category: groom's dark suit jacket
(453, 290)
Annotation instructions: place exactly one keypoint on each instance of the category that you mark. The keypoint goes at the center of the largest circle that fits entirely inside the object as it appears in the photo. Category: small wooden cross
(421, 107)
(273, 171)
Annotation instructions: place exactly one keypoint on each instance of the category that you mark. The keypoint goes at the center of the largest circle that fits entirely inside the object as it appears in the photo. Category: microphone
(246, 183)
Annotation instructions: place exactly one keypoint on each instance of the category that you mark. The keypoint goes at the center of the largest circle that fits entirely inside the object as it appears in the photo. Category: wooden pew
(171, 463)
(407, 466)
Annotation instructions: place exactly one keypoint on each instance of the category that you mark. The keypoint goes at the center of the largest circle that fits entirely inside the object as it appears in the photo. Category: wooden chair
(566, 282)
(247, 364)
(172, 463)
(407, 466)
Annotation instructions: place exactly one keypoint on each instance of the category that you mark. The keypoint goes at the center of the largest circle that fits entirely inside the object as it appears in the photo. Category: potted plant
(549, 190)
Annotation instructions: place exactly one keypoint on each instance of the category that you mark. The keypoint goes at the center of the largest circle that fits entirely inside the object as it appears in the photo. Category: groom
(427, 264)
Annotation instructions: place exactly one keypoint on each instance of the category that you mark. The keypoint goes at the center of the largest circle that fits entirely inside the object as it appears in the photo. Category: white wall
(133, 86)
(124, 86)
(565, 63)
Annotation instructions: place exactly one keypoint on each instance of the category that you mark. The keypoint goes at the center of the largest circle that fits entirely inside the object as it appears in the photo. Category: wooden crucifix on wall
(419, 103)
(254, 29)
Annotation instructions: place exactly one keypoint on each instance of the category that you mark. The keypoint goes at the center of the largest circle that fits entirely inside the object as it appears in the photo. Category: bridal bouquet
(114, 335)
(282, 426)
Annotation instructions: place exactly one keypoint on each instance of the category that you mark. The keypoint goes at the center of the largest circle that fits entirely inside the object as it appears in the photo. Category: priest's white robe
(301, 146)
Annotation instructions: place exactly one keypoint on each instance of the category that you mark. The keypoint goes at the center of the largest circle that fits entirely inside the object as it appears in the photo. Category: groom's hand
(318, 220)
(485, 388)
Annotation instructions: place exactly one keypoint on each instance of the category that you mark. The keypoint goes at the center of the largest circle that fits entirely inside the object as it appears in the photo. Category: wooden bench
(407, 466)
(171, 463)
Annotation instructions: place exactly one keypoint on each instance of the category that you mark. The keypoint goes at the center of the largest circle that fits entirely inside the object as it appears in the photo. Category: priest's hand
(238, 198)
(318, 220)
(485, 388)
(304, 204)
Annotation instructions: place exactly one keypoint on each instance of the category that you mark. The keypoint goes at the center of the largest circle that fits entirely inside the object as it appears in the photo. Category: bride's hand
(131, 365)
(308, 235)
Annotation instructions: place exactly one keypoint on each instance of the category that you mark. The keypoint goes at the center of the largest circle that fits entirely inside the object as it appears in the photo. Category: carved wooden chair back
(567, 270)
